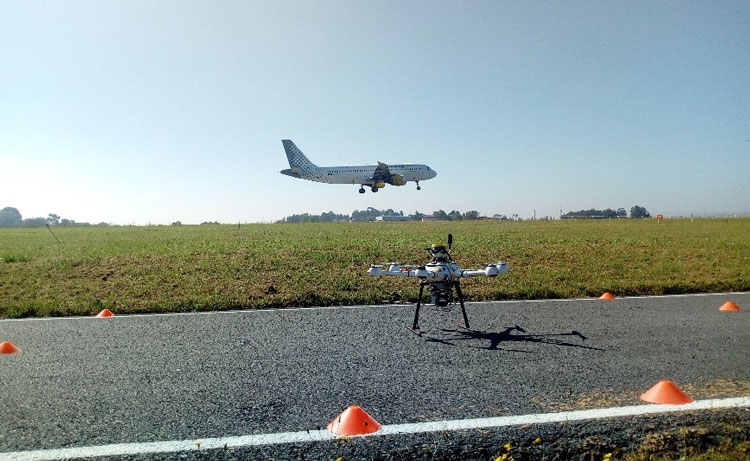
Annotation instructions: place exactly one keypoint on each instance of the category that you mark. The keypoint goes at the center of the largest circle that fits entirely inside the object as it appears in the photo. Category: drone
(442, 275)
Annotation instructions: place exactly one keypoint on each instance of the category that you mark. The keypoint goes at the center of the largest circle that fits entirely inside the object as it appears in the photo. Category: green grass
(186, 268)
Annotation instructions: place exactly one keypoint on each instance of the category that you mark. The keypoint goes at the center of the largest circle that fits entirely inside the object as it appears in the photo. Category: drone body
(442, 275)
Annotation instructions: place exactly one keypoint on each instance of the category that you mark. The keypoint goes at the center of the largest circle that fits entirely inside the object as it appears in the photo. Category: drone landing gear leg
(461, 300)
(415, 323)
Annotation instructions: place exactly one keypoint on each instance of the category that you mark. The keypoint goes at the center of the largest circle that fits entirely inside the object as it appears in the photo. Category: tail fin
(296, 158)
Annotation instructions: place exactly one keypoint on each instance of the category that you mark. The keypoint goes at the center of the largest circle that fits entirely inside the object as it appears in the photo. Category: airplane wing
(382, 173)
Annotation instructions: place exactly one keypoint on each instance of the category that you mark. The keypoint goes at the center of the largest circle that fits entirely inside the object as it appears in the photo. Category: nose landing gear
(418, 186)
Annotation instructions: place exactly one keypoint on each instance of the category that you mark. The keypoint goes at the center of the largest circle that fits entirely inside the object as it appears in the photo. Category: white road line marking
(174, 446)
(322, 308)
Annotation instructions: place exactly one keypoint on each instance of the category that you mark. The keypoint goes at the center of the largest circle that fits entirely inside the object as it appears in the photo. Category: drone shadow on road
(499, 341)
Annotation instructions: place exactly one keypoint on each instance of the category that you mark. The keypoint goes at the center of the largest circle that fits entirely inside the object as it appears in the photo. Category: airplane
(373, 176)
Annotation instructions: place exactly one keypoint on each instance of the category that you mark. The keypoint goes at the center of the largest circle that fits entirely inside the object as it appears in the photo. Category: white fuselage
(359, 174)
(363, 174)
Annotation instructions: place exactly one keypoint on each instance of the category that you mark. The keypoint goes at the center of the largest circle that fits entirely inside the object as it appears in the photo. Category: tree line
(11, 217)
(635, 212)
(371, 214)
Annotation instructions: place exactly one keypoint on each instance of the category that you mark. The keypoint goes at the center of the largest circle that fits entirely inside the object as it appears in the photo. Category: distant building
(429, 218)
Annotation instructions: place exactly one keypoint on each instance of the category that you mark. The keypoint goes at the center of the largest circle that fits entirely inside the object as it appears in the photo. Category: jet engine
(397, 180)
(380, 184)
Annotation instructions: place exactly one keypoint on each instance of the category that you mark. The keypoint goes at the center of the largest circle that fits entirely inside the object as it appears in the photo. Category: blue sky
(137, 112)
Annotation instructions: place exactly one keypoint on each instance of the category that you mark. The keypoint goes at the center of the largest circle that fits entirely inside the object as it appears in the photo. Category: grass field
(186, 268)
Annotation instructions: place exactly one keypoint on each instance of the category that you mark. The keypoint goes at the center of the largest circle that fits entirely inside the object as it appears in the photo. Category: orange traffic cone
(7, 347)
(105, 313)
(666, 392)
(354, 421)
(607, 296)
(729, 306)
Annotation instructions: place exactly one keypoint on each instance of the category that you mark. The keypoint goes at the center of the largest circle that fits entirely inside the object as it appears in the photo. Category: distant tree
(10, 217)
(455, 215)
(366, 215)
(621, 213)
(53, 219)
(34, 222)
(639, 212)
(590, 214)
(333, 217)
(417, 216)
(471, 215)
(67, 222)
(329, 216)
(177, 223)
(301, 218)
(441, 215)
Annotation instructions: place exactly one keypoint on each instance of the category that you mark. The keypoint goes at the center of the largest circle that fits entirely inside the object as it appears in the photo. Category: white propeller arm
(395, 270)
(470, 273)
(492, 270)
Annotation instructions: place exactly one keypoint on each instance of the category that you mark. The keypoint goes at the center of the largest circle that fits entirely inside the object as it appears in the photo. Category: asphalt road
(89, 381)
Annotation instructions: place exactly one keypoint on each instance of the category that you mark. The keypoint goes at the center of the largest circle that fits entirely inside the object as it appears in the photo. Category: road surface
(86, 382)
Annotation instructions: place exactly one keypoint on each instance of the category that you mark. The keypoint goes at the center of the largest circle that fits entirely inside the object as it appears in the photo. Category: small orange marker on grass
(353, 421)
(105, 313)
(607, 296)
(665, 392)
(7, 347)
(729, 306)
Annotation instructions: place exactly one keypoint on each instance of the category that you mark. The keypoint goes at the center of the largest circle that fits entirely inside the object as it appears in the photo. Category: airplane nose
(433, 174)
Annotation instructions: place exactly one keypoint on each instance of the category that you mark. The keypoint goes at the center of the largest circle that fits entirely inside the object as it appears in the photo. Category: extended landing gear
(441, 296)
(361, 190)
(418, 186)
(374, 189)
